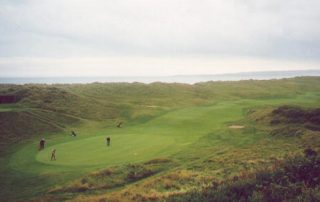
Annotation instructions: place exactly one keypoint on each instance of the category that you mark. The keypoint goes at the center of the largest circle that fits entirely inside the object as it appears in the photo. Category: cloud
(268, 29)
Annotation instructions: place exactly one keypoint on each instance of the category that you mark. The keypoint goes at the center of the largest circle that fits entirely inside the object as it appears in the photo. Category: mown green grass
(94, 151)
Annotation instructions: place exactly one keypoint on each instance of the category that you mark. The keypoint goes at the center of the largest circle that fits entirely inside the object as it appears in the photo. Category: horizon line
(174, 75)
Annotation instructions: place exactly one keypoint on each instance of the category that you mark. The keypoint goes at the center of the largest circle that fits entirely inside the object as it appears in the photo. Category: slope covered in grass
(185, 124)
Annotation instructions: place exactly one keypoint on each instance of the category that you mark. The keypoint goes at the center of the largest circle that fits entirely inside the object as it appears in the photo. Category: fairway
(94, 151)
(159, 137)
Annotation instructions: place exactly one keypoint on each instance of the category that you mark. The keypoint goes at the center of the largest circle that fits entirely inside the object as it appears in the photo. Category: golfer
(53, 155)
(41, 144)
(108, 141)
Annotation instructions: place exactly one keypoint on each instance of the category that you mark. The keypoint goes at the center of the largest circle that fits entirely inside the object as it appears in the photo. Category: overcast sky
(165, 37)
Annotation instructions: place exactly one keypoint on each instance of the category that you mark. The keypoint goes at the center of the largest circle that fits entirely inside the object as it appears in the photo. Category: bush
(289, 114)
(310, 153)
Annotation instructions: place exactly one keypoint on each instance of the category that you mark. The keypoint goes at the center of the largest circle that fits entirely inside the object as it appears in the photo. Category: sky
(157, 38)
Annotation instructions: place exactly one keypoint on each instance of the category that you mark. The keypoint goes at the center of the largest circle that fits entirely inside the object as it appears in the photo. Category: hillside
(175, 140)
(113, 102)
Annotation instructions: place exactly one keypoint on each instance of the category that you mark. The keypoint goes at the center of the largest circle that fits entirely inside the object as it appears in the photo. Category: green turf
(94, 151)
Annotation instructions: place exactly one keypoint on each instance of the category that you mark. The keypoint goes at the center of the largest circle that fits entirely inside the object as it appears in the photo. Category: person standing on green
(108, 141)
(41, 144)
(53, 155)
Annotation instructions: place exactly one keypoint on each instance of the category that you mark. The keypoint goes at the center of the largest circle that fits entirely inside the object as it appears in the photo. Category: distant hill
(265, 75)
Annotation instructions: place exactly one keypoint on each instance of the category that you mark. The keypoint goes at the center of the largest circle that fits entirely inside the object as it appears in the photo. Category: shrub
(310, 153)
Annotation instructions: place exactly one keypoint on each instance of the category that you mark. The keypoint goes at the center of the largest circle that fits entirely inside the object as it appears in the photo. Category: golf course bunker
(236, 126)
(126, 148)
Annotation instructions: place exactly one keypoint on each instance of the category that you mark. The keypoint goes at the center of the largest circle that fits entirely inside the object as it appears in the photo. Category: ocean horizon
(189, 79)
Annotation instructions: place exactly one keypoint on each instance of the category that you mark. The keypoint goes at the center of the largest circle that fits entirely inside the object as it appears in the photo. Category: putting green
(164, 135)
(94, 151)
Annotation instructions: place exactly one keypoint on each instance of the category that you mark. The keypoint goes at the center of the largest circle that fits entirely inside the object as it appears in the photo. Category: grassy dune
(187, 125)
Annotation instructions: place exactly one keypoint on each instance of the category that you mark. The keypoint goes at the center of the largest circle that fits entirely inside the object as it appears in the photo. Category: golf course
(175, 139)
(159, 101)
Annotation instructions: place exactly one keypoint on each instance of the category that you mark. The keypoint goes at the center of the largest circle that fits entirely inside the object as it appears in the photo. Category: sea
(189, 79)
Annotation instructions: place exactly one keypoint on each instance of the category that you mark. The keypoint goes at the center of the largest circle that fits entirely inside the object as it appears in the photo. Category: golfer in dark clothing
(108, 141)
(73, 134)
(53, 155)
(119, 125)
(41, 144)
